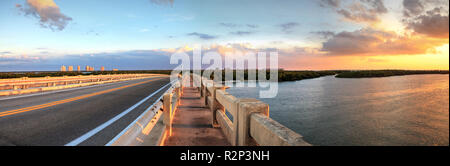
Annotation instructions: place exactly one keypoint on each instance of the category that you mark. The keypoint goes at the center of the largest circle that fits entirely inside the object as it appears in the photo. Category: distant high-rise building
(102, 68)
(87, 68)
(92, 68)
(78, 68)
(70, 68)
(63, 68)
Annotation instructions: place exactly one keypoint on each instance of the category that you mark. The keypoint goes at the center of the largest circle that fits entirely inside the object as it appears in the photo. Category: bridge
(134, 110)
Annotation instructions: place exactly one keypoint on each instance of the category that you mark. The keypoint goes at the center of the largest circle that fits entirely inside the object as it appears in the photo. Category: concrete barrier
(268, 132)
(251, 124)
(17, 87)
(151, 128)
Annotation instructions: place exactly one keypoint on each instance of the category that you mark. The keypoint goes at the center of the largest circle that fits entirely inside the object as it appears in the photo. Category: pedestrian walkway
(192, 123)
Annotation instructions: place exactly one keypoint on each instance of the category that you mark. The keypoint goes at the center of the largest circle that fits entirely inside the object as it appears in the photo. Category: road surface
(91, 115)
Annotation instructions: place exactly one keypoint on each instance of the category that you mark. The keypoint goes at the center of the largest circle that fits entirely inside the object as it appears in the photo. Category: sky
(40, 35)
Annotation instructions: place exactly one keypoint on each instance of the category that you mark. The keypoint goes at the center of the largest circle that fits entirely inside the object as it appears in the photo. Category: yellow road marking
(31, 108)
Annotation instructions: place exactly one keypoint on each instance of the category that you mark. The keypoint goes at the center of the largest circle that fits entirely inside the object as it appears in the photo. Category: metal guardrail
(250, 124)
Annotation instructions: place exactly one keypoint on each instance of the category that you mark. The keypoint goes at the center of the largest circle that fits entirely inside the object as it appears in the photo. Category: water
(400, 110)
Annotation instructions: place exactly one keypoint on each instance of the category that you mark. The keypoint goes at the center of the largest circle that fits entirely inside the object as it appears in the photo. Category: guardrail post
(244, 112)
(167, 110)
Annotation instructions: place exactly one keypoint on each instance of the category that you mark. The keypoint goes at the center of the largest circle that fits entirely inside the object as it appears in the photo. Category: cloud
(17, 59)
(432, 25)
(332, 3)
(228, 25)
(412, 7)
(427, 17)
(202, 35)
(233, 25)
(287, 27)
(358, 11)
(242, 33)
(324, 34)
(5, 52)
(47, 11)
(252, 26)
(371, 42)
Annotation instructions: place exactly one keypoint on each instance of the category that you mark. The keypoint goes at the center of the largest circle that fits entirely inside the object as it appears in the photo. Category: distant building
(102, 68)
(70, 68)
(115, 69)
(92, 68)
(78, 68)
(63, 68)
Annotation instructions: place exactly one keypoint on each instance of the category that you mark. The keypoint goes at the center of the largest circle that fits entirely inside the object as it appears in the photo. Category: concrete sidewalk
(192, 123)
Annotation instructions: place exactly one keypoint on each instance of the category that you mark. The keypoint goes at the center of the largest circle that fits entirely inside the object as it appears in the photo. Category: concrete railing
(30, 85)
(249, 123)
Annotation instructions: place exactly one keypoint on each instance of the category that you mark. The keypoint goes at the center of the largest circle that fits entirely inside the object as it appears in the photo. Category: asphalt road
(79, 116)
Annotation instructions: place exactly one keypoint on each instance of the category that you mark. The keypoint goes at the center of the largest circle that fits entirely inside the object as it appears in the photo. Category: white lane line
(64, 90)
(135, 121)
(109, 122)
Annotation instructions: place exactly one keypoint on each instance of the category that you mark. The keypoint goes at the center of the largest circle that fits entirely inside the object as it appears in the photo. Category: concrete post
(167, 110)
(201, 87)
(214, 105)
(245, 110)
(206, 95)
(203, 91)
(178, 91)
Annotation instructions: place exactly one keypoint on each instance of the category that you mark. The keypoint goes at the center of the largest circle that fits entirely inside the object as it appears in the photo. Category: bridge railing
(155, 124)
(171, 101)
(29, 85)
(247, 121)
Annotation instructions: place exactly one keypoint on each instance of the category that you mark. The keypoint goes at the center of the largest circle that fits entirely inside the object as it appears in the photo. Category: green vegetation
(282, 74)
(286, 75)
(386, 73)
(56, 74)
(300, 75)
